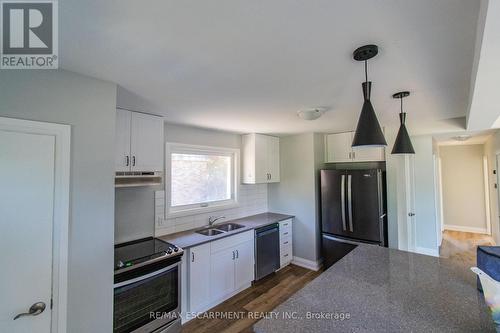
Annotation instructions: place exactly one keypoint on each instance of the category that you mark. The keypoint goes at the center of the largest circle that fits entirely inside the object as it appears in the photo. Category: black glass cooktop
(141, 251)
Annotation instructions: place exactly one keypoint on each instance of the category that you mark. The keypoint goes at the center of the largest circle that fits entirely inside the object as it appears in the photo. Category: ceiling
(249, 66)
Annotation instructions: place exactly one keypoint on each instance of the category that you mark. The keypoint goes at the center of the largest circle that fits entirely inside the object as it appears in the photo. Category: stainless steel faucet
(213, 219)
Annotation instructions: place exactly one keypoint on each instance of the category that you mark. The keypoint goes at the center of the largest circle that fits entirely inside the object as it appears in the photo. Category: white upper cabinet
(122, 140)
(261, 159)
(139, 141)
(338, 149)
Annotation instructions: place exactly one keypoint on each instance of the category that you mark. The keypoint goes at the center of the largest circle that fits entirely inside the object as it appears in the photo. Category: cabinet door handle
(270, 176)
(233, 255)
(192, 256)
(133, 160)
(285, 233)
(285, 243)
(127, 160)
(353, 155)
(286, 255)
(350, 155)
(237, 254)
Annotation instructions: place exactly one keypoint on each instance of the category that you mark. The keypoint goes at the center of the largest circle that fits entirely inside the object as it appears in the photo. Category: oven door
(147, 298)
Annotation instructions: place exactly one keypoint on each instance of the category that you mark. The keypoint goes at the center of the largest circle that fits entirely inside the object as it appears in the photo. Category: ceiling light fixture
(402, 145)
(463, 137)
(368, 131)
(310, 114)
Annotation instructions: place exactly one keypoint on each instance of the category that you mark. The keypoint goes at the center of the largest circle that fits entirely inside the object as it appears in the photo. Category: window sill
(201, 210)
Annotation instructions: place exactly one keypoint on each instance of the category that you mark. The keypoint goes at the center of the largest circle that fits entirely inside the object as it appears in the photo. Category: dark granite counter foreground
(189, 238)
(385, 290)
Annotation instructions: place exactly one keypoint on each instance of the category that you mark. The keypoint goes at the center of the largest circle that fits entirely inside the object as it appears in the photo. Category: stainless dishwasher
(267, 250)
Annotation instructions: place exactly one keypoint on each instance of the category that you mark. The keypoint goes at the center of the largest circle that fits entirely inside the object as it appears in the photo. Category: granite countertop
(385, 290)
(189, 238)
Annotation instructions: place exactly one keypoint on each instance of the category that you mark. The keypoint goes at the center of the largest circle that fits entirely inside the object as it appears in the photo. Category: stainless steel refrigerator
(353, 211)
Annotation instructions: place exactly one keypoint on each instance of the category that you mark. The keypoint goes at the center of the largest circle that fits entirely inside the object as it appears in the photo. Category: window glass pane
(198, 178)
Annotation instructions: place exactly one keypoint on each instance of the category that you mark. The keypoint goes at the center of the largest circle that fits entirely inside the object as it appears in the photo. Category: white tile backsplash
(252, 200)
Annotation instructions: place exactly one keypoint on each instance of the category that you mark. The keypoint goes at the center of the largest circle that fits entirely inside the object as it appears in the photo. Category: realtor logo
(29, 35)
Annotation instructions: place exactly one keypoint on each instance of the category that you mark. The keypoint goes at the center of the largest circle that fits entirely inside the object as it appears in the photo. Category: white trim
(306, 263)
(427, 251)
(487, 194)
(466, 229)
(198, 209)
(62, 134)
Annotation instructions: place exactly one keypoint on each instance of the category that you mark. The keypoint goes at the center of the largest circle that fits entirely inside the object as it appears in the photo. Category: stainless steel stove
(147, 286)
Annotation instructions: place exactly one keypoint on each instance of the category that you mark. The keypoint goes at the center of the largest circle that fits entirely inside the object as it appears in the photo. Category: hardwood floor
(261, 297)
(461, 246)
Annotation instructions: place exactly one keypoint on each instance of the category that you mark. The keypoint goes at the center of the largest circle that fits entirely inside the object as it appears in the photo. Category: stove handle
(144, 277)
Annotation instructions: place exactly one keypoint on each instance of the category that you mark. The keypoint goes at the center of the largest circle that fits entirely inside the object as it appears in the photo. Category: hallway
(460, 246)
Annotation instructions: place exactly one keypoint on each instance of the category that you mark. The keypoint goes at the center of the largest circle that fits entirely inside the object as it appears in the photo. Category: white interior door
(410, 201)
(34, 213)
(27, 210)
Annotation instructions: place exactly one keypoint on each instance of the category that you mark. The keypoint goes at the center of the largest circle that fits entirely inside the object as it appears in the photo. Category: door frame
(62, 136)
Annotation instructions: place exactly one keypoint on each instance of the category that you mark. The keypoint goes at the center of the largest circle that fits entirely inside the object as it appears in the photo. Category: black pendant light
(403, 143)
(368, 131)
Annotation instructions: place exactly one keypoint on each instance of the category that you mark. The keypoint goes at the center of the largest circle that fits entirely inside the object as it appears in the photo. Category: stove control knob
(176, 249)
(169, 251)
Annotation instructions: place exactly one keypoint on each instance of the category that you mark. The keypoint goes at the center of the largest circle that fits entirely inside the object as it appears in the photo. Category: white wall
(134, 208)
(296, 193)
(463, 188)
(88, 105)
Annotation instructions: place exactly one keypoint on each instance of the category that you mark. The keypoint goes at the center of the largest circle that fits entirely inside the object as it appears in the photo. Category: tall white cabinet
(338, 150)
(139, 141)
(261, 159)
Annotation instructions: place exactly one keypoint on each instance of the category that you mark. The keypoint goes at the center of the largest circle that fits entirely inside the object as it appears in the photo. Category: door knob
(34, 310)
(411, 214)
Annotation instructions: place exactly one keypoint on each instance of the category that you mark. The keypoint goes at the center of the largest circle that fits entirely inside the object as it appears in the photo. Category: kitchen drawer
(286, 228)
(285, 254)
(231, 241)
(285, 241)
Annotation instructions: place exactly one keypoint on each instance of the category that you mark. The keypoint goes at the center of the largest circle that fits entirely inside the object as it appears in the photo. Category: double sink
(219, 229)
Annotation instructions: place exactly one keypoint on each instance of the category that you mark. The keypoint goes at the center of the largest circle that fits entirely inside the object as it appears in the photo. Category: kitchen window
(200, 179)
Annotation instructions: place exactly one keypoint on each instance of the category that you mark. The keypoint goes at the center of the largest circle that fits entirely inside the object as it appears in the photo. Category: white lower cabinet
(198, 272)
(222, 273)
(286, 254)
(244, 269)
(219, 269)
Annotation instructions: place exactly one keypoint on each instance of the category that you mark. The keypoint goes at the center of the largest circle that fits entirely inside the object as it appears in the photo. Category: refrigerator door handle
(349, 200)
(342, 200)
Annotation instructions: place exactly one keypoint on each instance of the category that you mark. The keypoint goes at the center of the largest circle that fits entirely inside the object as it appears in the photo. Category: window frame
(206, 207)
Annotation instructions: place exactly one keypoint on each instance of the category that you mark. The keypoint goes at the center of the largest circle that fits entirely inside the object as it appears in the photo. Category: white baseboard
(309, 264)
(466, 229)
(427, 251)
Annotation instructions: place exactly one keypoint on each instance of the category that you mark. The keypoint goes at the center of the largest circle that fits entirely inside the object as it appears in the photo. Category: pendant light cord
(366, 71)
(401, 104)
